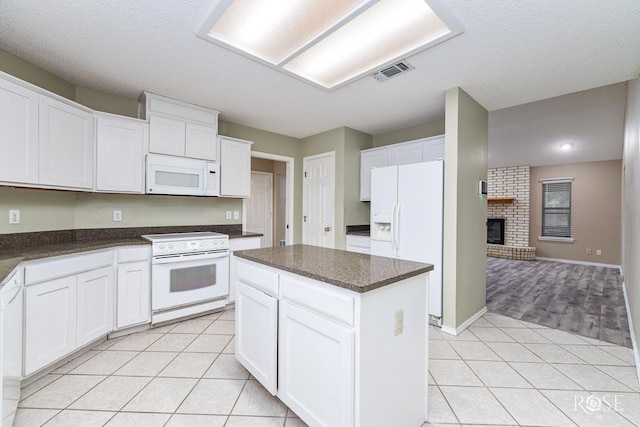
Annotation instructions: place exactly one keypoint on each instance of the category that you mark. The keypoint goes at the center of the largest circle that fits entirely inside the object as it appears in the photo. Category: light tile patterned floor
(500, 371)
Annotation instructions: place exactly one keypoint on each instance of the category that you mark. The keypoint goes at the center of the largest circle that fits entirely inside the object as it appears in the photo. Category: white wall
(592, 120)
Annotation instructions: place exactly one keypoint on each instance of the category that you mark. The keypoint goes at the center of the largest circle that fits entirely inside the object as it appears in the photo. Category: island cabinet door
(257, 334)
(316, 367)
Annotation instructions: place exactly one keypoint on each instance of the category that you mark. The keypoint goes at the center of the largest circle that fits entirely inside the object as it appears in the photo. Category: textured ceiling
(511, 53)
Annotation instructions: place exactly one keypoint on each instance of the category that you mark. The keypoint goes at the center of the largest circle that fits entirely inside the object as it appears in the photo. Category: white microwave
(182, 176)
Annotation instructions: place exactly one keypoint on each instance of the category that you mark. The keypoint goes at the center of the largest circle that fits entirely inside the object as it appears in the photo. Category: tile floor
(500, 371)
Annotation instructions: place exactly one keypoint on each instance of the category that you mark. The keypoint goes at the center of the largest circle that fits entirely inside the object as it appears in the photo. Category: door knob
(327, 229)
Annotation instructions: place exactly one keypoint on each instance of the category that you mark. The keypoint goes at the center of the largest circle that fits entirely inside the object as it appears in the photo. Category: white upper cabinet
(433, 148)
(369, 159)
(201, 142)
(120, 154)
(405, 154)
(66, 145)
(235, 167)
(166, 136)
(18, 133)
(180, 129)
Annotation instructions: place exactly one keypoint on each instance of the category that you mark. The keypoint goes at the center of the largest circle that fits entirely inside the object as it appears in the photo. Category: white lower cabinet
(339, 356)
(316, 367)
(95, 305)
(133, 287)
(68, 303)
(238, 244)
(257, 333)
(50, 322)
(360, 244)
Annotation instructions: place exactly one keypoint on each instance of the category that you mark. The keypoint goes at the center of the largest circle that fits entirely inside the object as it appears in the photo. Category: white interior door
(318, 200)
(260, 207)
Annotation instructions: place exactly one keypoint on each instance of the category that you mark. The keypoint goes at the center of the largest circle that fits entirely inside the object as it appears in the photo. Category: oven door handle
(170, 259)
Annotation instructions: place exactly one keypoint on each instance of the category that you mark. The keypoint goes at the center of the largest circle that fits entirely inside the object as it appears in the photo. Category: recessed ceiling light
(329, 44)
(566, 146)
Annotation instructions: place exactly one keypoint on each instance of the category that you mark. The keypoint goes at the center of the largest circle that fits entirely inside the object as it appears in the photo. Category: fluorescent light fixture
(328, 43)
(567, 146)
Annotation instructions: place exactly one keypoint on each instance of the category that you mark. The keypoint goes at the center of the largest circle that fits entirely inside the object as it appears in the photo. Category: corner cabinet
(66, 145)
(120, 145)
(45, 141)
(235, 167)
(334, 356)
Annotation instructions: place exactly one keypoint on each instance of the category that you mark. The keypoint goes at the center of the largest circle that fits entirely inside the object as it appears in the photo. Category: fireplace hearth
(495, 231)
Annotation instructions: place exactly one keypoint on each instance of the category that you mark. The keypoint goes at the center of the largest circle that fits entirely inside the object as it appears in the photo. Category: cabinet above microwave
(180, 129)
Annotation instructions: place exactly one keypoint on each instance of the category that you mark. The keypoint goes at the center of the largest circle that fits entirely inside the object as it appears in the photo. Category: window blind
(556, 208)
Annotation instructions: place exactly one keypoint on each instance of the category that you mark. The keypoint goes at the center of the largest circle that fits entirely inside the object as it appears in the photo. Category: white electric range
(189, 274)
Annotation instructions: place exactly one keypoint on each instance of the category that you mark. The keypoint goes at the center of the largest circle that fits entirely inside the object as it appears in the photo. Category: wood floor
(582, 299)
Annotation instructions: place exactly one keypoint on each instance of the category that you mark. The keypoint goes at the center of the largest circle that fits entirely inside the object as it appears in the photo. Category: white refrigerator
(406, 219)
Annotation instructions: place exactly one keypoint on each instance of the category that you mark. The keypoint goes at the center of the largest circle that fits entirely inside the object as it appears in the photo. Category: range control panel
(189, 246)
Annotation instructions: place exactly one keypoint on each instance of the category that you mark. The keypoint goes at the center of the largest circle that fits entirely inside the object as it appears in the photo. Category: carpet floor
(582, 299)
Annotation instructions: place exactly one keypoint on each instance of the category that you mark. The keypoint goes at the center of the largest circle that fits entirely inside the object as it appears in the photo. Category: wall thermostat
(482, 187)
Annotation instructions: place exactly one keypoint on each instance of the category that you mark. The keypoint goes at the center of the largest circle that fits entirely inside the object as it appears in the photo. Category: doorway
(272, 196)
(318, 208)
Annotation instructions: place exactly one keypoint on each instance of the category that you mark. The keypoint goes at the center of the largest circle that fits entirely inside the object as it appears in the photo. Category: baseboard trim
(457, 331)
(570, 261)
(631, 331)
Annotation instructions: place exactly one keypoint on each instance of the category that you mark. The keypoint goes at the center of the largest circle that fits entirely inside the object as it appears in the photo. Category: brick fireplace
(508, 199)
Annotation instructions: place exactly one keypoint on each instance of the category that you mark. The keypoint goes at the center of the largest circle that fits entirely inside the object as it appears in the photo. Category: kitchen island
(339, 337)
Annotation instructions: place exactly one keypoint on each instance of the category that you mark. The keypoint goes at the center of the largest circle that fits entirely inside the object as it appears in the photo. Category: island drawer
(330, 303)
(259, 277)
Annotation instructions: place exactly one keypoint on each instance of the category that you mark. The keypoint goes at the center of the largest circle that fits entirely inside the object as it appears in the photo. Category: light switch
(14, 216)
(236, 215)
(398, 324)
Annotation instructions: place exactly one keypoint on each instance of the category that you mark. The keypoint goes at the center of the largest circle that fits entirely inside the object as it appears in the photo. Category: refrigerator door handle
(395, 234)
(393, 228)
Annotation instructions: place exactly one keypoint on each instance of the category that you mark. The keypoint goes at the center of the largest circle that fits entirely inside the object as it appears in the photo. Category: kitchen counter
(18, 247)
(10, 258)
(349, 270)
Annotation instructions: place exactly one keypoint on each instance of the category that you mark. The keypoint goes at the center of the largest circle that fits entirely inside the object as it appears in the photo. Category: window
(556, 209)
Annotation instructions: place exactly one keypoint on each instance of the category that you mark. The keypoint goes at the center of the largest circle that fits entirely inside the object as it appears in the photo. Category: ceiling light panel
(328, 43)
(274, 30)
(388, 30)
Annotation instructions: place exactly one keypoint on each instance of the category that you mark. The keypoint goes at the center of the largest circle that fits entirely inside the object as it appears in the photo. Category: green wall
(273, 143)
(408, 134)
(465, 212)
(346, 143)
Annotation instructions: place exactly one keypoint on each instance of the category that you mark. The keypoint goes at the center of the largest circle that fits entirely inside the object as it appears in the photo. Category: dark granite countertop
(350, 270)
(10, 258)
(243, 235)
(18, 247)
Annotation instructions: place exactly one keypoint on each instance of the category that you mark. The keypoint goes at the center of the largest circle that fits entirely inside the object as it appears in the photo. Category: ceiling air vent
(392, 71)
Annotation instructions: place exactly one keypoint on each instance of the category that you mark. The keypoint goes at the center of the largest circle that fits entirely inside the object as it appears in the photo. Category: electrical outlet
(598, 252)
(398, 324)
(236, 215)
(589, 251)
(228, 214)
(117, 215)
(14, 216)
